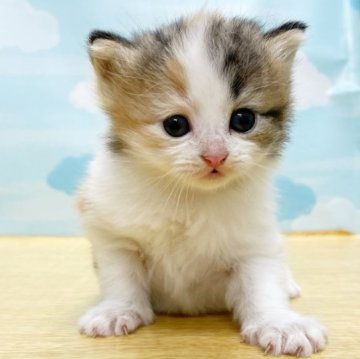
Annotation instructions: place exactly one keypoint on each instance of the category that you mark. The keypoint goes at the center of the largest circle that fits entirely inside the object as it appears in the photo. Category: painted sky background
(49, 122)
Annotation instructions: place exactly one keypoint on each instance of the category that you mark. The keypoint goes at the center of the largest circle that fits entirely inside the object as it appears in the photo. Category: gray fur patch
(291, 25)
(234, 47)
(114, 143)
(107, 35)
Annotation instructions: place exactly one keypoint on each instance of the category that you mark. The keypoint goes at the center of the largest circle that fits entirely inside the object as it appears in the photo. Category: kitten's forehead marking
(207, 90)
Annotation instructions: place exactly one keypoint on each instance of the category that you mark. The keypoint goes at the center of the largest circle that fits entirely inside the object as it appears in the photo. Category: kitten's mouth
(214, 174)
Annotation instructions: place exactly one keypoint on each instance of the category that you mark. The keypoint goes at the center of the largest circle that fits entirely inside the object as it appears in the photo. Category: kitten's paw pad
(109, 320)
(293, 335)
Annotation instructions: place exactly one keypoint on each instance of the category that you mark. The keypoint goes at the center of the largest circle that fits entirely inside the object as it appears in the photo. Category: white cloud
(83, 96)
(311, 87)
(335, 213)
(26, 28)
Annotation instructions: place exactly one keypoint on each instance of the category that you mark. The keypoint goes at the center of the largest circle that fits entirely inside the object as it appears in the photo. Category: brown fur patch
(139, 94)
(115, 144)
(176, 76)
(81, 204)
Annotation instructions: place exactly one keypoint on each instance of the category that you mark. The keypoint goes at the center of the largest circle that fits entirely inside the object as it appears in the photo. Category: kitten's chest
(184, 267)
(187, 236)
(190, 237)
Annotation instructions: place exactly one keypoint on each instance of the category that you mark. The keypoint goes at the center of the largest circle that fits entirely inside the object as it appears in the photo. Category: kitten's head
(205, 99)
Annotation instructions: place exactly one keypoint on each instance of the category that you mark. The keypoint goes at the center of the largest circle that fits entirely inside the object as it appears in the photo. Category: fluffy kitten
(178, 204)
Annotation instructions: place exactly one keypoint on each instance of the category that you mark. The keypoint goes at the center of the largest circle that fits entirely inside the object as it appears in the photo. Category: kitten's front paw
(111, 319)
(286, 333)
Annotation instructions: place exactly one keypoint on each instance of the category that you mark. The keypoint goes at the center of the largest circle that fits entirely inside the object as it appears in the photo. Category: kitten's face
(204, 100)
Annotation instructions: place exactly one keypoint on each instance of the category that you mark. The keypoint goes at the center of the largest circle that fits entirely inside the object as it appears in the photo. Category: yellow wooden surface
(47, 283)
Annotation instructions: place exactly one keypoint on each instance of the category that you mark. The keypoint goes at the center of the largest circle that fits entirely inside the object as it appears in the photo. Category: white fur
(173, 244)
(190, 253)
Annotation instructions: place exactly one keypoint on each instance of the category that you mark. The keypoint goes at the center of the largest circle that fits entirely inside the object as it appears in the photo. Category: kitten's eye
(176, 126)
(242, 120)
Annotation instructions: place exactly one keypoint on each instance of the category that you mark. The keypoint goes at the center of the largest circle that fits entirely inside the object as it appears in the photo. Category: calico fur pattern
(168, 235)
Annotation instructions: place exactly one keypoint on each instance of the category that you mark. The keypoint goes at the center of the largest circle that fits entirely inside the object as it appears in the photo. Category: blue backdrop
(50, 122)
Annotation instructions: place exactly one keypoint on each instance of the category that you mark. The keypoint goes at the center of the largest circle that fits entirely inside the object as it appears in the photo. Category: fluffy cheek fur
(179, 159)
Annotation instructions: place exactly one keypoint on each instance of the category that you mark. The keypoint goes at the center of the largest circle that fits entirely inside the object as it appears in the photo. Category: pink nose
(214, 160)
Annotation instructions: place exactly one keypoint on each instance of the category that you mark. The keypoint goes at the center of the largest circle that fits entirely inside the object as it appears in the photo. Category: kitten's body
(168, 234)
(190, 241)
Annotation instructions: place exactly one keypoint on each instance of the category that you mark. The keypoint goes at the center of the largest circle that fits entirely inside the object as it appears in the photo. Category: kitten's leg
(258, 296)
(125, 305)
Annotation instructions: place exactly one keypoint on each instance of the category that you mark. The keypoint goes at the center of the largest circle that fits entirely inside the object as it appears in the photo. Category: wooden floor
(47, 283)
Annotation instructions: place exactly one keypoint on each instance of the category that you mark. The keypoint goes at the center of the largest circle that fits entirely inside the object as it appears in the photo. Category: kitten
(178, 204)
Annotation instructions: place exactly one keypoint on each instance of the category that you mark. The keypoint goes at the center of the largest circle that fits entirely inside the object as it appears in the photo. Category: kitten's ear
(109, 52)
(284, 40)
